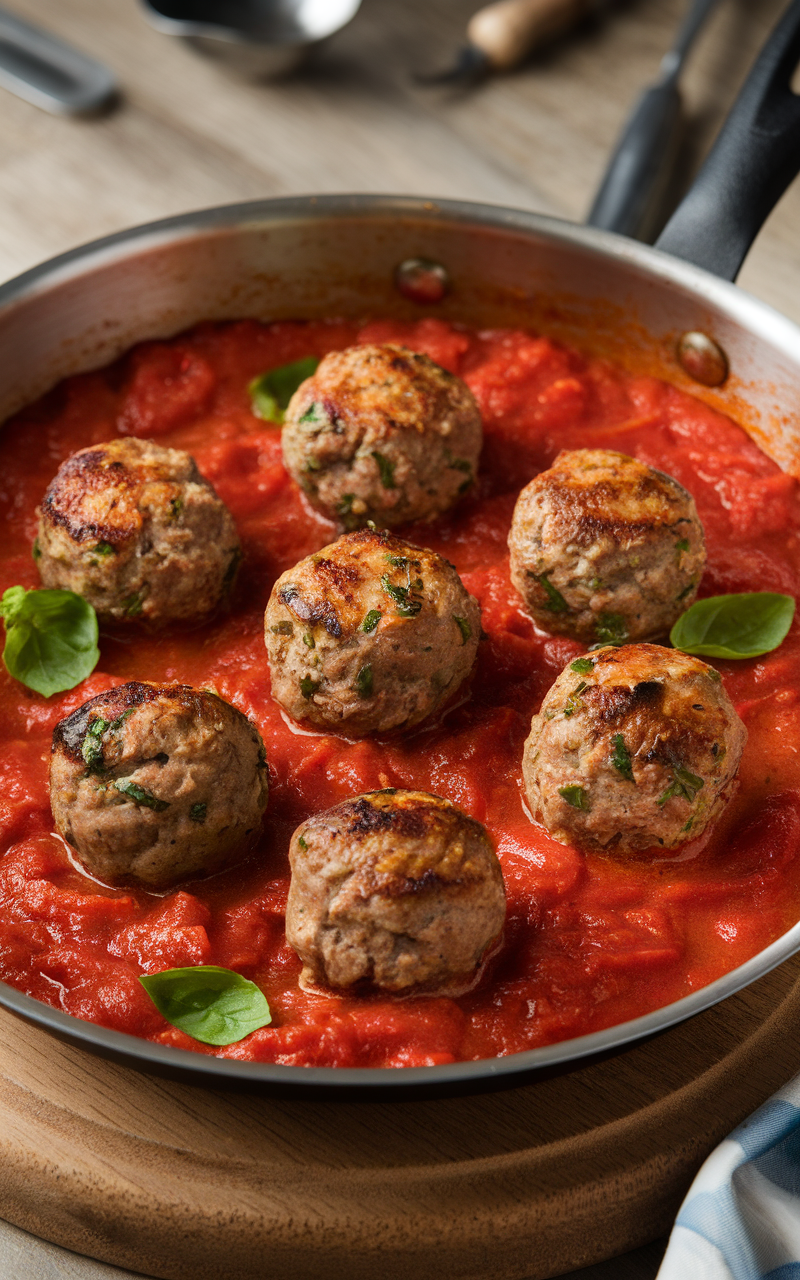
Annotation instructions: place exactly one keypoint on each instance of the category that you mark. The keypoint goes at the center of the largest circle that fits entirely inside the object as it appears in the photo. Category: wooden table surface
(186, 134)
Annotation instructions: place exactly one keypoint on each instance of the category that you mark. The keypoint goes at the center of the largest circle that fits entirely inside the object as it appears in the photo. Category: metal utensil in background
(52, 75)
(502, 35)
(254, 37)
(631, 195)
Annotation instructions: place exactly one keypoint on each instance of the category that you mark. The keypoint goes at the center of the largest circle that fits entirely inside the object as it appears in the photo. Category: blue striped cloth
(741, 1217)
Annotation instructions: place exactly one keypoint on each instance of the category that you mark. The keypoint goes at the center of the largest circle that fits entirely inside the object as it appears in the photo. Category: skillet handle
(755, 157)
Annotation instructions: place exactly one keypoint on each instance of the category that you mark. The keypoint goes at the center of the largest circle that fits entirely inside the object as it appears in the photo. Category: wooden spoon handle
(507, 31)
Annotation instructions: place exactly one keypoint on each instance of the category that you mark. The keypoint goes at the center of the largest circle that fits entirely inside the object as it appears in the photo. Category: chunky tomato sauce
(590, 941)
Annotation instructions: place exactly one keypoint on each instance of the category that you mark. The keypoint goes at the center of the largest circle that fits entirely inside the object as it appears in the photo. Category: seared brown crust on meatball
(398, 890)
(633, 748)
(151, 784)
(382, 433)
(369, 634)
(605, 549)
(137, 531)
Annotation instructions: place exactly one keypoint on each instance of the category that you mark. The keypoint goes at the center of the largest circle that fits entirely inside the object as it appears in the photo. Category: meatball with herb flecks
(382, 433)
(138, 532)
(152, 784)
(634, 747)
(369, 634)
(398, 890)
(605, 548)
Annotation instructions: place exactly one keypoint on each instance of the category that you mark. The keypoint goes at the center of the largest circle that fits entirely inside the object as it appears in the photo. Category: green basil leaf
(271, 392)
(734, 626)
(213, 1005)
(51, 638)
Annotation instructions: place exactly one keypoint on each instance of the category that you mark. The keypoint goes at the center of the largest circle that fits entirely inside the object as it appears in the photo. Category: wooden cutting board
(186, 1183)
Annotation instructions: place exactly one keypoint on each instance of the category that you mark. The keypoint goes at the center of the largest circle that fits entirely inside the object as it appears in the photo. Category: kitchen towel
(741, 1217)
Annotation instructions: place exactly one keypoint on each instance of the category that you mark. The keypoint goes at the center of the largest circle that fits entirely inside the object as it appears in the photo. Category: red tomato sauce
(590, 941)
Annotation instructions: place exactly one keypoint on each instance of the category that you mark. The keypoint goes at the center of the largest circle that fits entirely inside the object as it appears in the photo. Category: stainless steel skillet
(339, 255)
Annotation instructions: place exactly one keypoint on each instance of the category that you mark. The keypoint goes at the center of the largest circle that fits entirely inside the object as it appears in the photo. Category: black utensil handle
(641, 162)
(755, 157)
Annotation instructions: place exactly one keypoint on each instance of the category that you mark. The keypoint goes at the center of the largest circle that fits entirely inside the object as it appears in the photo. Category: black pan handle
(755, 157)
(640, 168)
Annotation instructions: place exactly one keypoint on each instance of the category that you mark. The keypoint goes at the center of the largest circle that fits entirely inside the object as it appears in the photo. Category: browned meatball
(633, 748)
(137, 531)
(369, 634)
(396, 889)
(382, 433)
(152, 784)
(605, 549)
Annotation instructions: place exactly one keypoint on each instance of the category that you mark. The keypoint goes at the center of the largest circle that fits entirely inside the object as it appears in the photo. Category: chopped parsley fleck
(140, 796)
(583, 666)
(283, 628)
(36, 550)
(345, 509)
(308, 640)
(621, 757)
(611, 628)
(371, 621)
(92, 749)
(464, 628)
(460, 464)
(103, 549)
(714, 675)
(197, 813)
(314, 415)
(684, 785)
(575, 796)
(386, 468)
(364, 681)
(555, 601)
(399, 562)
(120, 720)
(312, 464)
(682, 544)
(303, 843)
(572, 705)
(175, 507)
(406, 606)
(308, 686)
(683, 594)
(133, 605)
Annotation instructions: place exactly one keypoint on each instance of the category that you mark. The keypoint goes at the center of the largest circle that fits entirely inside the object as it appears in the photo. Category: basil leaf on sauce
(212, 1005)
(271, 392)
(51, 638)
(743, 625)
